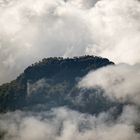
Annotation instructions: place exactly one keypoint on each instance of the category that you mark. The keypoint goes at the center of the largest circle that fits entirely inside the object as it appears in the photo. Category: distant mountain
(53, 83)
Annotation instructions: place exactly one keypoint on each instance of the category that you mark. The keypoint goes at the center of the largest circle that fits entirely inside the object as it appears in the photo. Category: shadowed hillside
(52, 83)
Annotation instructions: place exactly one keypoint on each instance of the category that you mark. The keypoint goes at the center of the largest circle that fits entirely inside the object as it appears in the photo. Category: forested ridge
(52, 82)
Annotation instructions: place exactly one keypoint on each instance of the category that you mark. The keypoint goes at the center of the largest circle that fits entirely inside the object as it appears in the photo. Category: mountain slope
(52, 83)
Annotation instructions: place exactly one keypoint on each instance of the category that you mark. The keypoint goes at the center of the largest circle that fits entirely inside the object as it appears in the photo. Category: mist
(32, 29)
(119, 82)
(66, 124)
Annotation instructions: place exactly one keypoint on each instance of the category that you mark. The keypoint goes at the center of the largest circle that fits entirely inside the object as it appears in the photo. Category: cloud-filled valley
(32, 29)
(65, 124)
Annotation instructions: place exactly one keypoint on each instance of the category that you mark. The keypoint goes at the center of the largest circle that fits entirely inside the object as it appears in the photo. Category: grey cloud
(62, 123)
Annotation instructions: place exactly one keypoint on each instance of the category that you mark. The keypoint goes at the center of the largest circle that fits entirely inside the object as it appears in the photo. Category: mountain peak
(53, 65)
(53, 82)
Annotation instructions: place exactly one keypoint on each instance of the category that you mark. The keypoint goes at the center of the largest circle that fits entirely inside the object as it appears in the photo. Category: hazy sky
(34, 29)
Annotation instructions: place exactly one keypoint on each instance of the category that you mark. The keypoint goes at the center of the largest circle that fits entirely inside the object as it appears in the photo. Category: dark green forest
(52, 82)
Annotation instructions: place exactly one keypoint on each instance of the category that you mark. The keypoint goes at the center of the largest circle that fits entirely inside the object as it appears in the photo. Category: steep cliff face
(52, 83)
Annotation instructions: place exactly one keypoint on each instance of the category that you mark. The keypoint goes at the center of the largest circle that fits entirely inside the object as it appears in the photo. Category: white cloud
(31, 30)
(115, 27)
(64, 124)
(120, 82)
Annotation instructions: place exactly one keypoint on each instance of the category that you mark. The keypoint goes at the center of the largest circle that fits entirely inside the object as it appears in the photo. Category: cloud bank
(120, 82)
(31, 30)
(65, 124)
